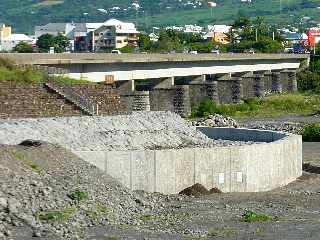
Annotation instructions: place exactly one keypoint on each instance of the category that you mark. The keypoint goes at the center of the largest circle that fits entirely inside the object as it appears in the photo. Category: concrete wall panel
(203, 167)
(248, 168)
(119, 166)
(165, 171)
(143, 166)
(184, 168)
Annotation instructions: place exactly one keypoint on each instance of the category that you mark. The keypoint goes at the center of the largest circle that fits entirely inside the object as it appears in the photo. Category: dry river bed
(218, 216)
(295, 209)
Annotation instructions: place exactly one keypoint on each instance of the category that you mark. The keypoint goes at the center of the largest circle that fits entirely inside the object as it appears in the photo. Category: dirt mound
(198, 190)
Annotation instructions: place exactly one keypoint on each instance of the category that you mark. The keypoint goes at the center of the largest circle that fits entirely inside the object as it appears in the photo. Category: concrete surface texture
(161, 152)
(124, 67)
(167, 69)
(65, 58)
(247, 168)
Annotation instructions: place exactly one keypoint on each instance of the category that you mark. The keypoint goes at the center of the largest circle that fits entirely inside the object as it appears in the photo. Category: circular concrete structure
(274, 161)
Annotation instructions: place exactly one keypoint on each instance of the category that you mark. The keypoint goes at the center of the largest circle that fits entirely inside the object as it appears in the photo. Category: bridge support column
(163, 83)
(199, 79)
(212, 91)
(141, 101)
(293, 84)
(258, 84)
(181, 101)
(236, 89)
(289, 80)
(276, 86)
(125, 87)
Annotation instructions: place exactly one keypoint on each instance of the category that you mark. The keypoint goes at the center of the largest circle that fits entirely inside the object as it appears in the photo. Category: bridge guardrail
(67, 92)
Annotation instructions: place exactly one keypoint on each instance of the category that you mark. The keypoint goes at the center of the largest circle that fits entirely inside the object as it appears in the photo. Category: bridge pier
(125, 87)
(289, 80)
(163, 83)
(141, 101)
(276, 86)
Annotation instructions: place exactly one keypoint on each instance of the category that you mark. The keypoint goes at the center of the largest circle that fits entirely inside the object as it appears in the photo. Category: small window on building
(119, 41)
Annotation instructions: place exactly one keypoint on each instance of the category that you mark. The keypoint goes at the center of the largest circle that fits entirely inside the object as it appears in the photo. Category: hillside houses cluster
(115, 34)
(103, 37)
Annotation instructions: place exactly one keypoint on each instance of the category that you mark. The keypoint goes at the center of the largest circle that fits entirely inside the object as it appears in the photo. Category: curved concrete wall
(248, 168)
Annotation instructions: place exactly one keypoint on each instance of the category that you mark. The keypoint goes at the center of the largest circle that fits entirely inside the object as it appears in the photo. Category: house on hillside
(218, 33)
(114, 34)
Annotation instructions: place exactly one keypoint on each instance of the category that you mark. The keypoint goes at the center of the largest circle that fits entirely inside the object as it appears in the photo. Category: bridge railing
(68, 93)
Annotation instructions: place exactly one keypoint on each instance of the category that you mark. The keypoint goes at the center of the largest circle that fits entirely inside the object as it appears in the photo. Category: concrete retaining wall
(249, 168)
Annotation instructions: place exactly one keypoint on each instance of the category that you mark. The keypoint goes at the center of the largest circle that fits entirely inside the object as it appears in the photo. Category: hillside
(23, 15)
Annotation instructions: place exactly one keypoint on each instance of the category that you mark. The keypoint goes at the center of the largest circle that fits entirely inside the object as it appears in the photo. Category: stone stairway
(72, 96)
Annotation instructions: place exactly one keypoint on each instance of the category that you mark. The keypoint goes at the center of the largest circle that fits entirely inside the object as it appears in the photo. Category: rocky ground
(38, 199)
(145, 130)
(289, 124)
(46, 192)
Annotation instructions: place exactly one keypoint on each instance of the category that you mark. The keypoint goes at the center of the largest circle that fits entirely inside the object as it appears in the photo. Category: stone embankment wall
(248, 168)
(34, 100)
(181, 98)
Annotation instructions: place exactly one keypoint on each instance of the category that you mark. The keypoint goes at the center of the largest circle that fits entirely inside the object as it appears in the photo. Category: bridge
(177, 81)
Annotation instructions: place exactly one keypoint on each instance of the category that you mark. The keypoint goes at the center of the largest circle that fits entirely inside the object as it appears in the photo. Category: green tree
(23, 47)
(44, 42)
(61, 42)
(144, 42)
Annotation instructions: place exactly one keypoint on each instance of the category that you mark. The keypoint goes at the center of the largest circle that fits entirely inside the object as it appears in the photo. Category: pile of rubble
(216, 120)
(139, 131)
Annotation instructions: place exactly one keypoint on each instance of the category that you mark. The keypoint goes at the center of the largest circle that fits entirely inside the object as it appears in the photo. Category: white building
(8, 43)
(115, 34)
(219, 28)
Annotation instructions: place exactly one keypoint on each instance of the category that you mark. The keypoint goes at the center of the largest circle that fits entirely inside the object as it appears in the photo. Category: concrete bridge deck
(94, 58)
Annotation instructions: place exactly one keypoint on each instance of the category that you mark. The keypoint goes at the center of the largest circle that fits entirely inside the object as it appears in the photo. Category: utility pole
(256, 34)
(280, 6)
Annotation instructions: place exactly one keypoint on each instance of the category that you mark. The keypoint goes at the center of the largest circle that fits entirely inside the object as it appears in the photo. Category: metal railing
(68, 93)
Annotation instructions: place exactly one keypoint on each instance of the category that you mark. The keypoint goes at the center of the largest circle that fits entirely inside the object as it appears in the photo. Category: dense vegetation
(11, 73)
(311, 133)
(273, 106)
(23, 15)
(246, 34)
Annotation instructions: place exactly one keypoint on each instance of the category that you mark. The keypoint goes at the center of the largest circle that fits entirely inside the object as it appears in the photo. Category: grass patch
(28, 162)
(70, 81)
(79, 196)
(103, 209)
(311, 133)
(273, 106)
(57, 216)
(147, 218)
(250, 217)
(222, 232)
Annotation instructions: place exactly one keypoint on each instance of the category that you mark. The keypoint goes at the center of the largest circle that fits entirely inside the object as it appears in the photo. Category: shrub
(309, 81)
(250, 216)
(56, 216)
(311, 133)
(78, 196)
